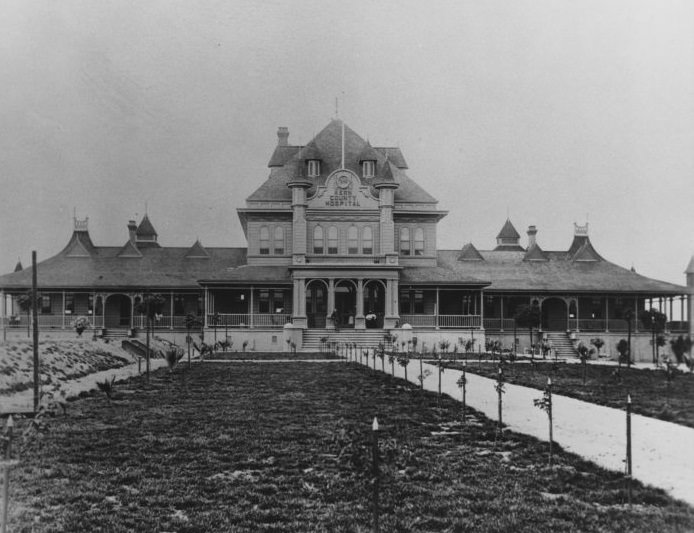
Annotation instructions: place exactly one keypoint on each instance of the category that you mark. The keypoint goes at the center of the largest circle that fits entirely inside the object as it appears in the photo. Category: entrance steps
(115, 333)
(562, 345)
(363, 338)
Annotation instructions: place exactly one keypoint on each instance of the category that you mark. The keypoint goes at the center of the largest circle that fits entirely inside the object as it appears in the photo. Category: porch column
(63, 309)
(481, 309)
(501, 321)
(682, 317)
(359, 321)
(295, 299)
(251, 307)
(436, 310)
(331, 296)
(206, 306)
(132, 311)
(578, 317)
(670, 316)
(636, 314)
(607, 314)
(172, 310)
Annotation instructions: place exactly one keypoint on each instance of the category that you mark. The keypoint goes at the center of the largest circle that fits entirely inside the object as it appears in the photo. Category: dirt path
(661, 450)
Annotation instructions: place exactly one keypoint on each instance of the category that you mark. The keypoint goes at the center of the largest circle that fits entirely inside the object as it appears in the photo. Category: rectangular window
(46, 304)
(69, 303)
(278, 301)
(419, 302)
(405, 302)
(369, 168)
(313, 167)
(90, 304)
(264, 301)
(179, 307)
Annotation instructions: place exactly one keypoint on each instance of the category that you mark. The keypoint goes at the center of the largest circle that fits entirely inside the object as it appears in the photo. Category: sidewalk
(661, 451)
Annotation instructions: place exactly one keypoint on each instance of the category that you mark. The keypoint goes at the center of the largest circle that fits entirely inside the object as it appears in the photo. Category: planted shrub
(80, 324)
(107, 387)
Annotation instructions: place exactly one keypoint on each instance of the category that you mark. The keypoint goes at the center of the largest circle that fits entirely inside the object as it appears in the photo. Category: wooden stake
(629, 448)
(6, 480)
(35, 313)
(374, 433)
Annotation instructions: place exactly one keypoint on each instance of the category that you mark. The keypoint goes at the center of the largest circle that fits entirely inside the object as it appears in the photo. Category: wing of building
(341, 244)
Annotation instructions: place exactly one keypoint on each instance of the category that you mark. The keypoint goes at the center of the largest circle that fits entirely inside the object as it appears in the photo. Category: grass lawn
(268, 356)
(650, 393)
(284, 447)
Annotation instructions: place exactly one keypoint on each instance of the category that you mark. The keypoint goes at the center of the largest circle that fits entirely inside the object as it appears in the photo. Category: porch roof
(508, 271)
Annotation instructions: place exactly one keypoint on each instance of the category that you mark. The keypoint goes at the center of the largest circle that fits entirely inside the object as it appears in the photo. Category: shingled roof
(158, 268)
(508, 271)
(287, 164)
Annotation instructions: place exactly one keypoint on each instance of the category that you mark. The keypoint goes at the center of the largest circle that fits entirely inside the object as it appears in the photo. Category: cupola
(508, 239)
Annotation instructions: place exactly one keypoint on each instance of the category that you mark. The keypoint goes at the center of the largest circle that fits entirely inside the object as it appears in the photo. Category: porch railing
(442, 321)
(248, 320)
(50, 321)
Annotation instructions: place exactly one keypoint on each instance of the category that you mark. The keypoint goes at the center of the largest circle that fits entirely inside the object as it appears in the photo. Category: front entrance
(554, 315)
(316, 304)
(345, 304)
(374, 304)
(118, 311)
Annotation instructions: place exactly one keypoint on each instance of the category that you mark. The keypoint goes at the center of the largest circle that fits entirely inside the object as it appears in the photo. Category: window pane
(419, 242)
(279, 240)
(353, 241)
(367, 241)
(405, 241)
(405, 302)
(332, 240)
(264, 301)
(45, 304)
(318, 240)
(264, 241)
(418, 301)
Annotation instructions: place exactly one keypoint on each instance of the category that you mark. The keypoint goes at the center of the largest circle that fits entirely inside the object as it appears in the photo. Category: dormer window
(368, 168)
(313, 168)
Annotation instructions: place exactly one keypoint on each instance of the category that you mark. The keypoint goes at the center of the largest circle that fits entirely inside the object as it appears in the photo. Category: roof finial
(342, 161)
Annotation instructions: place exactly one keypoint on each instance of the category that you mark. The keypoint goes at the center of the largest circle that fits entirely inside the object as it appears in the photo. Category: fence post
(374, 432)
(6, 480)
(629, 447)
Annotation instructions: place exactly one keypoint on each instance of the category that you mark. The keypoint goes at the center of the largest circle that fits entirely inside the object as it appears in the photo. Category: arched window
(419, 241)
(264, 241)
(318, 240)
(352, 240)
(332, 240)
(279, 240)
(367, 241)
(404, 241)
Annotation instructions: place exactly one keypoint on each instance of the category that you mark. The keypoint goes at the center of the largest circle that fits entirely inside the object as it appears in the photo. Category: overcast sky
(552, 111)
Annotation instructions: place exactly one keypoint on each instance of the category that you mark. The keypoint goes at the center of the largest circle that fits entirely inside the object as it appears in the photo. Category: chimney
(532, 231)
(132, 231)
(282, 136)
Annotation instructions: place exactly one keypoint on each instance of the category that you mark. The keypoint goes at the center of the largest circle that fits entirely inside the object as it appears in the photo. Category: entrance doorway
(316, 303)
(554, 315)
(374, 303)
(117, 311)
(345, 303)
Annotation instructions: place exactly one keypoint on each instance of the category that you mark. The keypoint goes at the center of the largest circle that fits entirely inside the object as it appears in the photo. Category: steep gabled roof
(287, 165)
(690, 267)
(129, 250)
(535, 253)
(197, 251)
(470, 253)
(586, 253)
(79, 245)
(508, 231)
(18, 267)
(145, 229)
